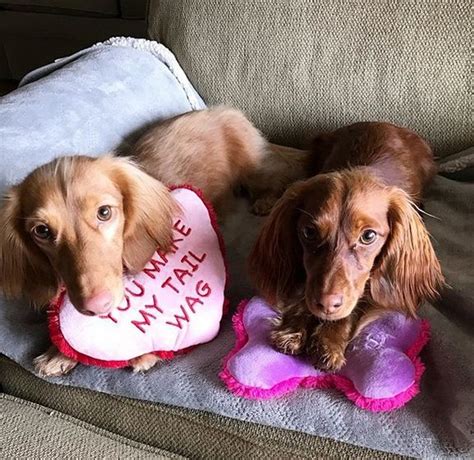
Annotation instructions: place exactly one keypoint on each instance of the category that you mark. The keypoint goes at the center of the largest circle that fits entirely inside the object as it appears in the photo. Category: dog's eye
(309, 232)
(42, 232)
(104, 213)
(368, 236)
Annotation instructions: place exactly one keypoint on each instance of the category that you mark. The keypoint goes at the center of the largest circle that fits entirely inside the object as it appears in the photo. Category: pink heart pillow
(175, 303)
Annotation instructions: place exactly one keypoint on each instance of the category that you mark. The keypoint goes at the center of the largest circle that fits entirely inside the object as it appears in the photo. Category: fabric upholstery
(296, 66)
(191, 433)
(33, 431)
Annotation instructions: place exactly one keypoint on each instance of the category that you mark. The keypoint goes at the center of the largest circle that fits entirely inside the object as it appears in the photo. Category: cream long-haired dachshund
(82, 221)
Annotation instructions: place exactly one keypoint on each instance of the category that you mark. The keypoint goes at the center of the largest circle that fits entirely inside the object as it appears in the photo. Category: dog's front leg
(291, 329)
(327, 345)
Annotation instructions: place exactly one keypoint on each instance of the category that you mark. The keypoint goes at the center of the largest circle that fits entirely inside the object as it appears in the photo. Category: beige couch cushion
(29, 430)
(299, 65)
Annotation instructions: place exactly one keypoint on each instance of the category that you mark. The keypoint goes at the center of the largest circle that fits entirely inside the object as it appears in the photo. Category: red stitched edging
(53, 312)
(325, 381)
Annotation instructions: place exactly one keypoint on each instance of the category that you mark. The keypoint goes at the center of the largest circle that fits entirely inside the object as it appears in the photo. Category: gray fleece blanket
(93, 102)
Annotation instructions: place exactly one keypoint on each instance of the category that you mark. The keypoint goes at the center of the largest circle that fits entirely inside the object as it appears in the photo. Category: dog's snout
(329, 303)
(98, 304)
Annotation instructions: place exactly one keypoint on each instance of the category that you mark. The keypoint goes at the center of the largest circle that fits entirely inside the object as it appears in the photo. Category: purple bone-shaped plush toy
(382, 372)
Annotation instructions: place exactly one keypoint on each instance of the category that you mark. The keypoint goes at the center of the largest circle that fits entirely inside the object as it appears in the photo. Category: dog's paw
(326, 358)
(263, 206)
(331, 361)
(143, 363)
(53, 363)
(288, 342)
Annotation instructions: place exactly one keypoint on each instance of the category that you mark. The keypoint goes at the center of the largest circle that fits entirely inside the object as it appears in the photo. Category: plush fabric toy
(175, 303)
(382, 373)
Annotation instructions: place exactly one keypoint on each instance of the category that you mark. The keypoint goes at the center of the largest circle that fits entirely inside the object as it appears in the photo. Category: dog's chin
(118, 298)
(331, 317)
(341, 313)
(117, 301)
(105, 312)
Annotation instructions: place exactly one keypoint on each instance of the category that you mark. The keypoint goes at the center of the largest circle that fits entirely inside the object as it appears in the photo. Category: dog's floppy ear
(24, 270)
(408, 271)
(276, 259)
(148, 208)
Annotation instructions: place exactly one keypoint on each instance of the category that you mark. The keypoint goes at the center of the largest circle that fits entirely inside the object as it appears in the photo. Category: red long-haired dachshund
(348, 243)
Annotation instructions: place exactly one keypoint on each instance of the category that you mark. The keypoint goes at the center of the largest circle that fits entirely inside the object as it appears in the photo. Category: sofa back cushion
(299, 66)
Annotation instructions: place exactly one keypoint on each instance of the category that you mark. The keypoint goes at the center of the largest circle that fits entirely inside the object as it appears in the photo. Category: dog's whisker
(422, 211)
(305, 212)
